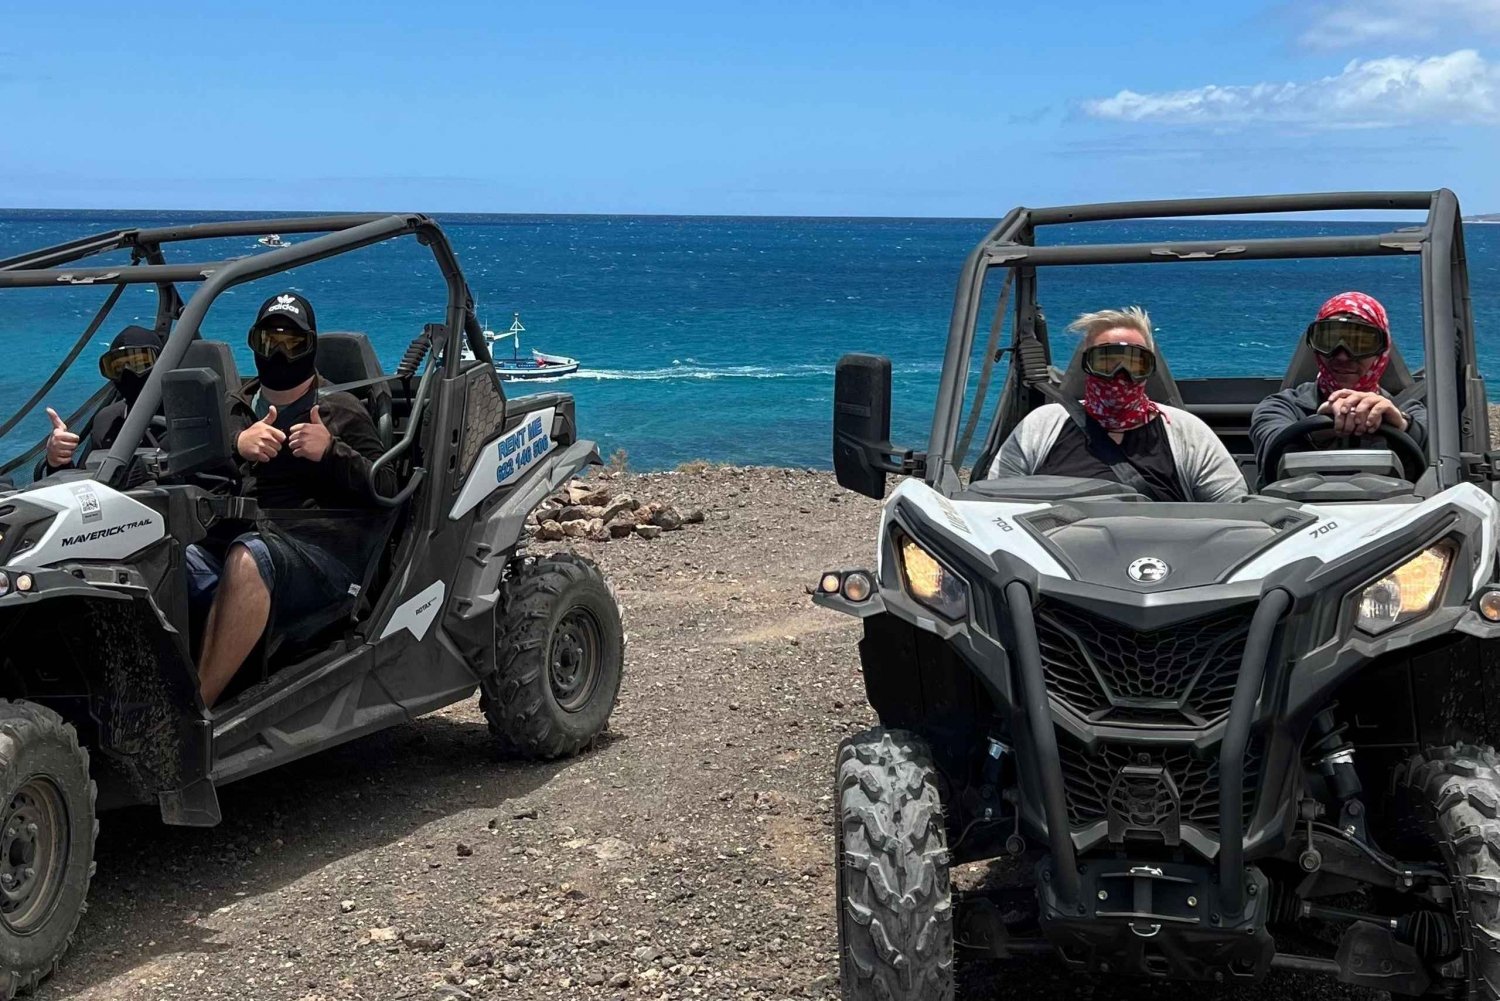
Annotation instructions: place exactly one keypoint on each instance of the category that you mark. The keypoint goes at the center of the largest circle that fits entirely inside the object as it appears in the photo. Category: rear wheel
(895, 904)
(560, 656)
(47, 830)
(1454, 794)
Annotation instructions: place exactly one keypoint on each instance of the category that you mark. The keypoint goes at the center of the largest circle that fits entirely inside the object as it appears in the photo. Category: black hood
(1168, 552)
(130, 384)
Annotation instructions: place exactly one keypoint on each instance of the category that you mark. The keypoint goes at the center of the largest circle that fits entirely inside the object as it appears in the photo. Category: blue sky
(809, 107)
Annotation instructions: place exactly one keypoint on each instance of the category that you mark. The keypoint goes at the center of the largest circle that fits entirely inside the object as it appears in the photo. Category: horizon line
(1241, 217)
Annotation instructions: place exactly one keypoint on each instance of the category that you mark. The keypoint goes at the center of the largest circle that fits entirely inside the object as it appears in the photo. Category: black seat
(215, 355)
(1161, 387)
(346, 357)
(1304, 368)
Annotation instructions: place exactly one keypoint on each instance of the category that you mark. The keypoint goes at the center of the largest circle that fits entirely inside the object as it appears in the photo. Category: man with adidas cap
(305, 458)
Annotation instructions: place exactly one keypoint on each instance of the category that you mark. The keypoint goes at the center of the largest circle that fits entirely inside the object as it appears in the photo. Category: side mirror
(197, 415)
(862, 450)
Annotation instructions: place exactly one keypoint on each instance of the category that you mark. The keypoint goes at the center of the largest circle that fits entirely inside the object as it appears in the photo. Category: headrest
(347, 356)
(215, 355)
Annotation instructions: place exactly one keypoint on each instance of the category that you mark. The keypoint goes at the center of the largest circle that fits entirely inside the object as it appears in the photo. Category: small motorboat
(539, 366)
(272, 240)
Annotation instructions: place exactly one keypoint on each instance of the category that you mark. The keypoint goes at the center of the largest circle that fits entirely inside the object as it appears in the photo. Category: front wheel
(560, 655)
(47, 830)
(895, 904)
(1453, 793)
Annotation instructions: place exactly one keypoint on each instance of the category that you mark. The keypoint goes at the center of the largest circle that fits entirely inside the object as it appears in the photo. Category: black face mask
(279, 372)
(130, 385)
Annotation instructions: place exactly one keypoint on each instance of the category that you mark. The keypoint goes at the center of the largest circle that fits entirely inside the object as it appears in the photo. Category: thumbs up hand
(262, 440)
(312, 439)
(61, 443)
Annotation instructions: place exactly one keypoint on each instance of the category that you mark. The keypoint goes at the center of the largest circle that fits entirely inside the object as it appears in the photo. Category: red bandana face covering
(1368, 309)
(1118, 404)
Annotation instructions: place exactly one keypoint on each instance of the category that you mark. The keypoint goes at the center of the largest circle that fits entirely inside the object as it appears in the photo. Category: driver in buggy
(1120, 433)
(306, 459)
(1351, 337)
(127, 363)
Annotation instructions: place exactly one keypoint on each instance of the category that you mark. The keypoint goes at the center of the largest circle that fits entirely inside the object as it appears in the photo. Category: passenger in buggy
(306, 460)
(1119, 433)
(127, 363)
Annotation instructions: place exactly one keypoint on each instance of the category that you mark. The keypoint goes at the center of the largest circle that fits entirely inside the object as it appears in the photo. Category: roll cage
(59, 267)
(1458, 420)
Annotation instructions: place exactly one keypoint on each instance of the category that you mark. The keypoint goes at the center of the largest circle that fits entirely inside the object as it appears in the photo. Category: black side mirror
(862, 449)
(197, 416)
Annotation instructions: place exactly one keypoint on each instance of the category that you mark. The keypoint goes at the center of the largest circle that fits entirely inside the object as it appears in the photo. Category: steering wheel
(1413, 459)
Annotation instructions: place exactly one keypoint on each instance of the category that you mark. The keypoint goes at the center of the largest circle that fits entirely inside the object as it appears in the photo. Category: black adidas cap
(288, 306)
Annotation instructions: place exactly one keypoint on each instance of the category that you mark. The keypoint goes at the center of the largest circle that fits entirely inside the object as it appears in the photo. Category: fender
(477, 583)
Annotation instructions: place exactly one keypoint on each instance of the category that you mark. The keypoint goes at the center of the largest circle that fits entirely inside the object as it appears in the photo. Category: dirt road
(688, 856)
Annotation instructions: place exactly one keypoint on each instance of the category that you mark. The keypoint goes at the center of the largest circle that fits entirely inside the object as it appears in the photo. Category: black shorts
(310, 589)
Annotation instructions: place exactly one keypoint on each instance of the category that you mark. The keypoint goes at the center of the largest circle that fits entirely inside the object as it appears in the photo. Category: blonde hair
(1134, 317)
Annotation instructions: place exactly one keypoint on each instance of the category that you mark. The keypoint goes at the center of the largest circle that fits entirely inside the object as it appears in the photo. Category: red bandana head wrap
(1118, 404)
(1370, 311)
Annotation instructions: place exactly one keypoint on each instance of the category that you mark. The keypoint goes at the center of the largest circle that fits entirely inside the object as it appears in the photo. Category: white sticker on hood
(92, 522)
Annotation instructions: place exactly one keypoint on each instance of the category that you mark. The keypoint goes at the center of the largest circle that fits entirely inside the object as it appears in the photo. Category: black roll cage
(48, 268)
(1447, 314)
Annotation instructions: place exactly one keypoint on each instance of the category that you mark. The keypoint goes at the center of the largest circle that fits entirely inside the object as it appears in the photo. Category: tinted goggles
(291, 344)
(137, 358)
(1108, 360)
(1360, 340)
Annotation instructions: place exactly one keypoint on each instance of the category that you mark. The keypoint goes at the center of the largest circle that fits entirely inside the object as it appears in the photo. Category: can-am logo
(104, 533)
(1148, 570)
(284, 304)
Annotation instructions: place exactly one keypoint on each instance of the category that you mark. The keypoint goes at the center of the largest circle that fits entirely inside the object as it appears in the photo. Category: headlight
(1407, 592)
(931, 583)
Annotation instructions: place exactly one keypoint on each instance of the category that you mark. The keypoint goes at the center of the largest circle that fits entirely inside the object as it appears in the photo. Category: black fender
(107, 660)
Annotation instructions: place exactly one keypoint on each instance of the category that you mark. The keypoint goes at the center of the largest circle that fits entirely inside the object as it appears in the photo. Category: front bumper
(1158, 919)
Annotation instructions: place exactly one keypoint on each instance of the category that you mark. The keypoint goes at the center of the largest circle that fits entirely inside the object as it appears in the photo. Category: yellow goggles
(291, 344)
(137, 358)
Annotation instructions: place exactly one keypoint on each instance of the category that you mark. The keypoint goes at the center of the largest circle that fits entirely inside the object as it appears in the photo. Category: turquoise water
(716, 337)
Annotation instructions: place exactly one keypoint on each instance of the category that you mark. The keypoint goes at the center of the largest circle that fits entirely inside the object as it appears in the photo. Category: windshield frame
(1447, 315)
(48, 268)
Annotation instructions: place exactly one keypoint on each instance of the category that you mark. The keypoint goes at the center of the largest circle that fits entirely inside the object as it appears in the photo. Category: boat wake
(699, 372)
(682, 372)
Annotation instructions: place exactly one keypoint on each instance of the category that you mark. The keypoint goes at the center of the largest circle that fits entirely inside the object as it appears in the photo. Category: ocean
(715, 338)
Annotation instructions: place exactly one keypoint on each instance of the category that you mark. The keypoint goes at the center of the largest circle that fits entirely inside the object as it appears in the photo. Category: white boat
(539, 366)
(272, 240)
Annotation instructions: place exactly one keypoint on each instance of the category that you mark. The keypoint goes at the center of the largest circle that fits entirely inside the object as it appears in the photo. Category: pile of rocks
(595, 512)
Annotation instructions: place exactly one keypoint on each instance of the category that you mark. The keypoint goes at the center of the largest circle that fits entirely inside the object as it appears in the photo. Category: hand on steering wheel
(1357, 413)
(1413, 459)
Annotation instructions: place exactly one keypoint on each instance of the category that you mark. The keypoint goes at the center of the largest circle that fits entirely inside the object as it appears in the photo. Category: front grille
(1181, 675)
(1089, 777)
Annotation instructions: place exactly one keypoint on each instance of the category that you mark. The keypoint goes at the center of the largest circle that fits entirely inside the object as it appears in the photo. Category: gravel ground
(686, 856)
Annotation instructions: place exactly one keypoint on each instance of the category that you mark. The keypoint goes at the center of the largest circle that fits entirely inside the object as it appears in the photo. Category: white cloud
(1459, 88)
(1345, 23)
